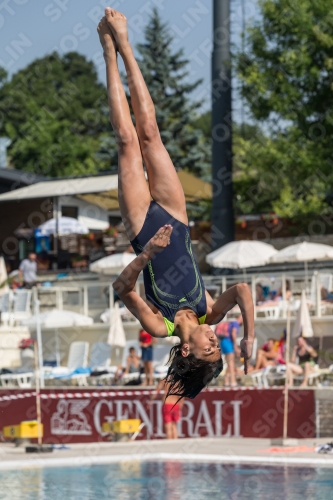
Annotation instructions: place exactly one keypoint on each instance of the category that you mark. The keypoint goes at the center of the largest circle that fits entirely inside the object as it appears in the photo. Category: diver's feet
(106, 39)
(117, 23)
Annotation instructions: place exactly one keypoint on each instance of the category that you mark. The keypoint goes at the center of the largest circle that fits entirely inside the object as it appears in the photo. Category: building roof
(102, 190)
(194, 188)
(63, 187)
(20, 176)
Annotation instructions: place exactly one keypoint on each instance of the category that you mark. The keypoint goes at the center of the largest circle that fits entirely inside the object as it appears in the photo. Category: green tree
(287, 73)
(54, 111)
(166, 75)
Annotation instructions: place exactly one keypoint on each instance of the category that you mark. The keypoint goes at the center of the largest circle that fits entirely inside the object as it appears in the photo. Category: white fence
(93, 298)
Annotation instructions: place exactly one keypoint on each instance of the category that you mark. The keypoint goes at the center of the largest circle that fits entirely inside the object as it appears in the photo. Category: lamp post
(222, 210)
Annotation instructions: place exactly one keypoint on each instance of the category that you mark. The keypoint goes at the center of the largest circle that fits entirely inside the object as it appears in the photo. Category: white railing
(94, 297)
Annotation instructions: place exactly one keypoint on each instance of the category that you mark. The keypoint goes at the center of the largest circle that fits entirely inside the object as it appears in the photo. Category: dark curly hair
(187, 376)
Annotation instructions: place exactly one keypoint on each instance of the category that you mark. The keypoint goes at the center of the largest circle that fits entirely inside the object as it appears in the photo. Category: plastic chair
(4, 308)
(21, 307)
(100, 355)
(77, 360)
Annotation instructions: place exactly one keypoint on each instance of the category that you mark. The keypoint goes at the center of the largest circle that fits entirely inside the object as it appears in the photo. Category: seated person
(307, 358)
(277, 297)
(325, 294)
(268, 355)
(260, 296)
(133, 362)
(279, 294)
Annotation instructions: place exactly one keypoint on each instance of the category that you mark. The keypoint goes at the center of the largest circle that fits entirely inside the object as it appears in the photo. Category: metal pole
(284, 295)
(318, 295)
(286, 387)
(253, 289)
(56, 217)
(85, 300)
(38, 405)
(39, 344)
(111, 299)
(222, 210)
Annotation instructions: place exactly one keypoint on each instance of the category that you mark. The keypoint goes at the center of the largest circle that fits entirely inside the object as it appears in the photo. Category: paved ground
(201, 449)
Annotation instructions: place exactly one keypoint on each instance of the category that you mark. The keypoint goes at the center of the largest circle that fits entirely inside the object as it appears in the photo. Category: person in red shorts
(171, 410)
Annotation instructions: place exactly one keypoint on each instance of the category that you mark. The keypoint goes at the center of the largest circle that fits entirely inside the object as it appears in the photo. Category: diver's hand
(246, 351)
(158, 242)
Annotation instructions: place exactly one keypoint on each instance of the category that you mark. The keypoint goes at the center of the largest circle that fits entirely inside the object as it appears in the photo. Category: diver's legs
(133, 192)
(164, 184)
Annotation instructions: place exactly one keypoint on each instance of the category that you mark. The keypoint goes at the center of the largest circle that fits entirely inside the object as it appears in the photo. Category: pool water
(167, 481)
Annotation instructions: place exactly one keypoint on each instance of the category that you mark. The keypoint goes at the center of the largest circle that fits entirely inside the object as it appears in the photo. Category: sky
(31, 29)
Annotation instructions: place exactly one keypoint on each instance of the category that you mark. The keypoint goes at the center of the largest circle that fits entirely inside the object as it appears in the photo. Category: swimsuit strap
(171, 326)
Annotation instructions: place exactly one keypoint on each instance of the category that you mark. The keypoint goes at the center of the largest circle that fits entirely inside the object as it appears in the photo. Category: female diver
(177, 302)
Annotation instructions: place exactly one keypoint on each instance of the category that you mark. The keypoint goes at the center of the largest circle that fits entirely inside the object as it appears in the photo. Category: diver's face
(203, 344)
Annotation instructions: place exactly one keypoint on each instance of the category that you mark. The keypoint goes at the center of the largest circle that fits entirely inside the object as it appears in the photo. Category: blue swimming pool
(168, 481)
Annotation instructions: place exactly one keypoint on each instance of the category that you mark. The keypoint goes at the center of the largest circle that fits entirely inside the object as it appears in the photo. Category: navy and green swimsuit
(172, 279)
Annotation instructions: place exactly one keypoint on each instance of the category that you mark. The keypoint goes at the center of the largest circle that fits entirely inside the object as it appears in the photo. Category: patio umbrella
(3, 277)
(303, 325)
(116, 336)
(66, 225)
(57, 319)
(303, 252)
(241, 254)
(113, 264)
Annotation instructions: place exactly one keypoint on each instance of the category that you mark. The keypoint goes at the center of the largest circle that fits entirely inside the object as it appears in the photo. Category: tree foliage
(287, 75)
(166, 75)
(54, 112)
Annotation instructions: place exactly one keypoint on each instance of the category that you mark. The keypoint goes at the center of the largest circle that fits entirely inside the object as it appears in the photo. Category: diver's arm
(238, 294)
(125, 282)
(124, 285)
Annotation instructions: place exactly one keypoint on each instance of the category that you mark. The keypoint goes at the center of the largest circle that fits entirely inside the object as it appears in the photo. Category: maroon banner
(76, 416)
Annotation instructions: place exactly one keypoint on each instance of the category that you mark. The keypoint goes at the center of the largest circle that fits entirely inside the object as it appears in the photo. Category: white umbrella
(303, 252)
(113, 264)
(116, 335)
(303, 325)
(3, 277)
(241, 254)
(57, 319)
(66, 225)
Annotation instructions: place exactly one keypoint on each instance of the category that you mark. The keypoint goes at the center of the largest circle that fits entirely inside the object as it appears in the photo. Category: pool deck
(217, 450)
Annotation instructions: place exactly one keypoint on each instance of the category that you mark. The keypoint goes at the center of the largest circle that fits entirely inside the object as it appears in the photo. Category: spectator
(171, 410)
(28, 271)
(146, 344)
(288, 292)
(268, 355)
(227, 333)
(307, 358)
(260, 297)
(132, 365)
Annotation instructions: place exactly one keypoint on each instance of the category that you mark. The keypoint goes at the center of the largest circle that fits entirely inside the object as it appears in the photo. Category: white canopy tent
(241, 254)
(113, 264)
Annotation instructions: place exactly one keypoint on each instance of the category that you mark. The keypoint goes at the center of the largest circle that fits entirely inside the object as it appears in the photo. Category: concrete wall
(324, 412)
(9, 341)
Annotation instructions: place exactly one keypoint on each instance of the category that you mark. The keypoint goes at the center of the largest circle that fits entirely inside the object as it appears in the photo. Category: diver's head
(194, 364)
(202, 343)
